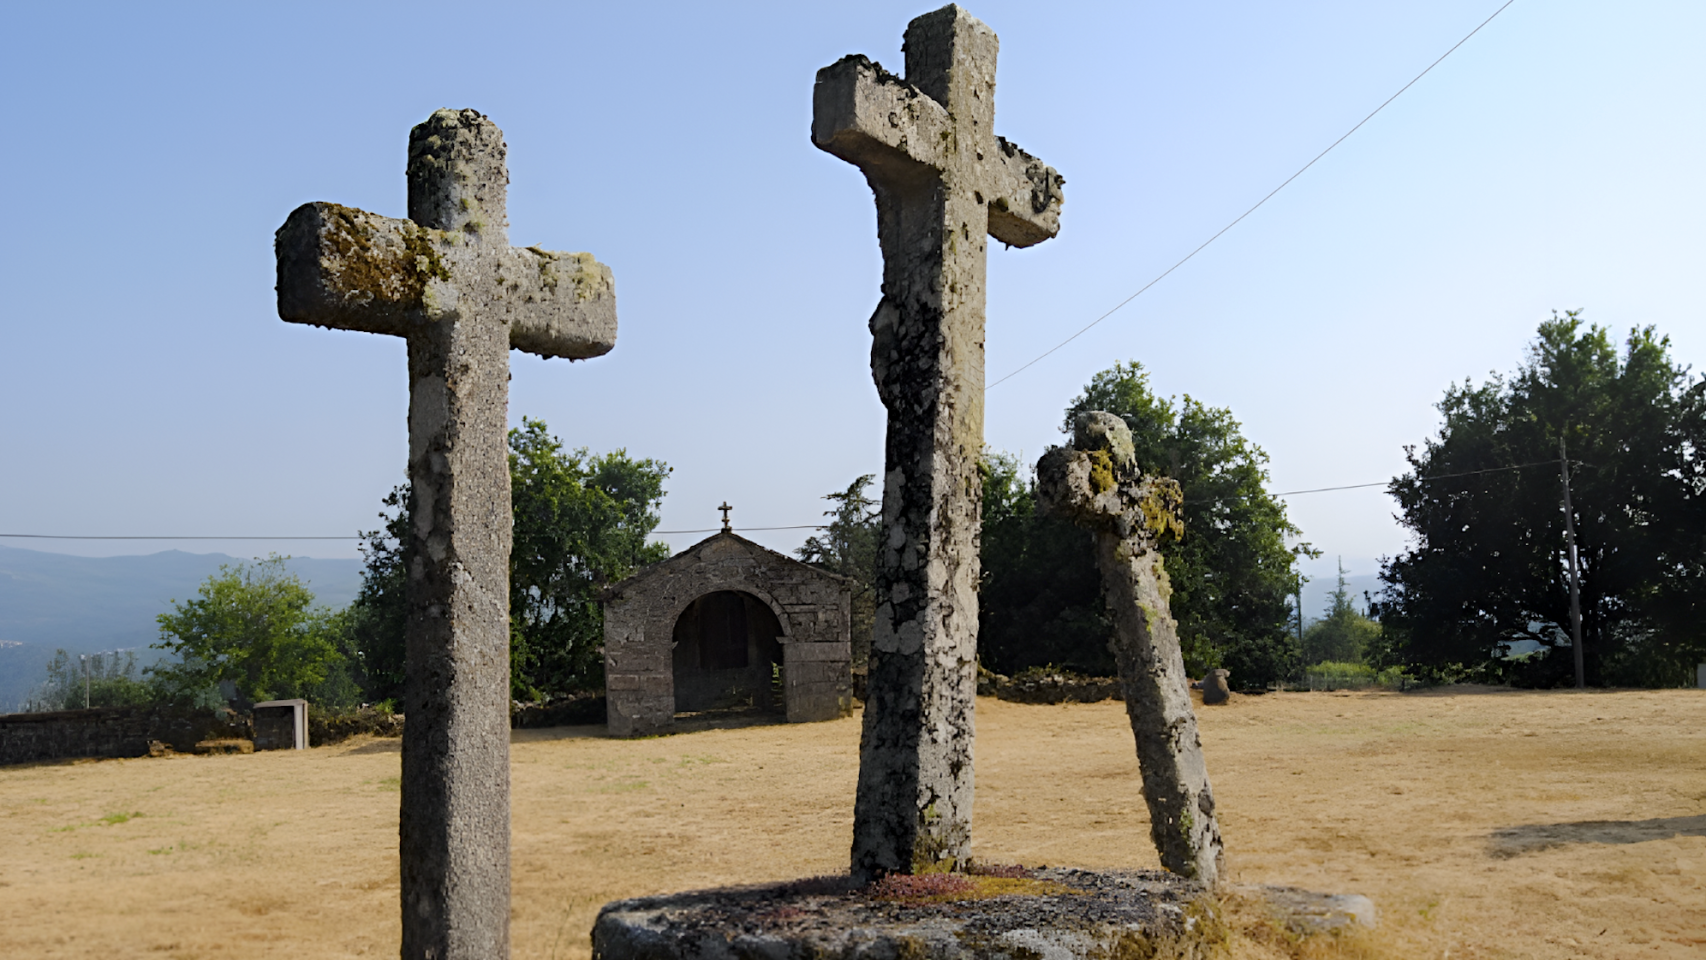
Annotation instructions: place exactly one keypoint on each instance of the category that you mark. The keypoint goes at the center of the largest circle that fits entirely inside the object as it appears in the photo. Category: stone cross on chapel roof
(726, 508)
(943, 181)
(447, 281)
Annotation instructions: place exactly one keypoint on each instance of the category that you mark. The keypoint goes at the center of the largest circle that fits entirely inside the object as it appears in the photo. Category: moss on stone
(372, 271)
(1101, 472)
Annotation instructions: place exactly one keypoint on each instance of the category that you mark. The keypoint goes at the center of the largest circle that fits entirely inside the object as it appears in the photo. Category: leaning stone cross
(943, 182)
(447, 281)
(1096, 484)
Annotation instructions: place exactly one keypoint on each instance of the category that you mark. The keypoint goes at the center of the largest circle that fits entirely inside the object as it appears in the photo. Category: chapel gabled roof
(651, 571)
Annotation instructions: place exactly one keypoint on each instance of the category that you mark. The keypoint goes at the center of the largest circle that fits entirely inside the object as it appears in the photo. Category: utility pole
(85, 658)
(1575, 572)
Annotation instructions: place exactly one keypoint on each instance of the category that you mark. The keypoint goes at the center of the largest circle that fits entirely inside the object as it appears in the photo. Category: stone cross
(943, 182)
(726, 508)
(1096, 484)
(447, 281)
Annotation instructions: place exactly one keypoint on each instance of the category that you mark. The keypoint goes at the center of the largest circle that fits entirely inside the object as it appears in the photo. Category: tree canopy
(1232, 571)
(848, 546)
(106, 679)
(580, 521)
(1343, 634)
(1482, 501)
(254, 625)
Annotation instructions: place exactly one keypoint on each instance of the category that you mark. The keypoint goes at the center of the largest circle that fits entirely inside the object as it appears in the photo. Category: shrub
(1352, 676)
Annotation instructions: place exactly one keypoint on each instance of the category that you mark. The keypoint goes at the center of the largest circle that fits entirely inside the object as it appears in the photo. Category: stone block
(281, 725)
(819, 702)
(802, 652)
(1214, 687)
(818, 671)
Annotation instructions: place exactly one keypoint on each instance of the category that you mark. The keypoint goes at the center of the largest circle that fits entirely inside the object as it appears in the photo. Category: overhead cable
(1270, 196)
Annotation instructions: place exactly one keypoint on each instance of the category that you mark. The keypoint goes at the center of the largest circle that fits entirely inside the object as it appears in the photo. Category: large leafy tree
(1232, 571)
(372, 628)
(580, 521)
(1040, 598)
(1483, 503)
(255, 625)
(848, 546)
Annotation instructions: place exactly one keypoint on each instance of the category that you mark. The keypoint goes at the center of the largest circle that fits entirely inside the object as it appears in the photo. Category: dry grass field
(1482, 823)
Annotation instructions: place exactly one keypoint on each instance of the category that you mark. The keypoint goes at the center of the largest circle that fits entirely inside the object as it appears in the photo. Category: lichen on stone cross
(447, 281)
(1096, 484)
(943, 183)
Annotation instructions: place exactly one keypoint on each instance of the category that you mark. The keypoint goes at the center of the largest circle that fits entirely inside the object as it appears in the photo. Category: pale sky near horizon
(1553, 162)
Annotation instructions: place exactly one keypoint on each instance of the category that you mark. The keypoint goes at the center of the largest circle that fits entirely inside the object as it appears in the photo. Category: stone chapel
(726, 623)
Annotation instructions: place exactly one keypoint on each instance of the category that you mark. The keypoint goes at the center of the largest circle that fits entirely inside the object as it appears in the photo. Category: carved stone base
(1048, 914)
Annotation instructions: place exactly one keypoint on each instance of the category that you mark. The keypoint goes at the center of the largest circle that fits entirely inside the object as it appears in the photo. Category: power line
(1385, 483)
(1258, 205)
(59, 536)
(801, 526)
(825, 526)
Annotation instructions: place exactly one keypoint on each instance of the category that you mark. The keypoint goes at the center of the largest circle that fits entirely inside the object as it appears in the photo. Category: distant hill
(89, 604)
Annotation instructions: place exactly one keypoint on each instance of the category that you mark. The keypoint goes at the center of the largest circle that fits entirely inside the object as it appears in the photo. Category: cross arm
(560, 304)
(876, 120)
(1024, 206)
(352, 270)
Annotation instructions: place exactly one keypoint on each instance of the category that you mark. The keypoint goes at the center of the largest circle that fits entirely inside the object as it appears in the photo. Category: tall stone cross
(1097, 485)
(943, 182)
(447, 281)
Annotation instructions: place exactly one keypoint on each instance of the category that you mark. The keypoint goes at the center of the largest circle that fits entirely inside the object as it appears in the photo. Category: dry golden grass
(1483, 824)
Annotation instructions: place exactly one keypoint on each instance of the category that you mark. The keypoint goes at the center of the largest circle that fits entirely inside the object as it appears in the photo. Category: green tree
(254, 625)
(1488, 566)
(581, 521)
(107, 679)
(1232, 572)
(1343, 635)
(371, 629)
(848, 546)
(1040, 594)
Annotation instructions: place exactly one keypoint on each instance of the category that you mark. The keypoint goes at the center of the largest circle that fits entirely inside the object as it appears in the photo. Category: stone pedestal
(1042, 914)
(1054, 915)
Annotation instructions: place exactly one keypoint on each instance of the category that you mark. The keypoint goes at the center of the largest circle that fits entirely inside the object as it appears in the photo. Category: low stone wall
(327, 729)
(114, 732)
(1050, 687)
(582, 710)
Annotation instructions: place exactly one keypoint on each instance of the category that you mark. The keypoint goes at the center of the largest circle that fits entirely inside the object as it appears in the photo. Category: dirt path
(1484, 824)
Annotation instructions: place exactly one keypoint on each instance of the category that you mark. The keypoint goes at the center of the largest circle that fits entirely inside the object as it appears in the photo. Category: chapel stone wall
(813, 608)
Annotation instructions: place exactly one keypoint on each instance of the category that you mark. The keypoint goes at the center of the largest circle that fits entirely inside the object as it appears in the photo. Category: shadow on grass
(1528, 838)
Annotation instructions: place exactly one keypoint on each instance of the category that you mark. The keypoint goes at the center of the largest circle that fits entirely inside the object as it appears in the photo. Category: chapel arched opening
(727, 654)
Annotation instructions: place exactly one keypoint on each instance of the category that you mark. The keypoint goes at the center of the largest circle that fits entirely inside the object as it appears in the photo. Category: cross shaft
(448, 282)
(943, 182)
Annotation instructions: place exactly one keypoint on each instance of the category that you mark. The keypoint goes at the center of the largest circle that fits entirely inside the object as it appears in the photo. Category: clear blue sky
(1554, 162)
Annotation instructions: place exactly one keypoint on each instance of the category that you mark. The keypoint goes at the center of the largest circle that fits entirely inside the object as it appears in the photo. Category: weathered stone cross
(1097, 485)
(726, 508)
(447, 280)
(943, 181)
